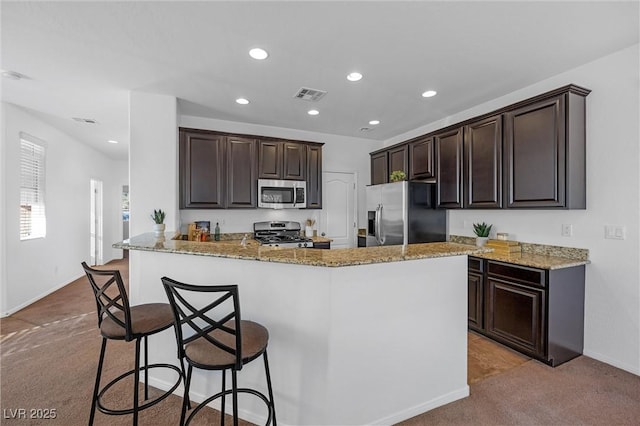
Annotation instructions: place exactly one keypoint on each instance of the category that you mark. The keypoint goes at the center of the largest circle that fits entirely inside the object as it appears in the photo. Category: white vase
(308, 231)
(158, 229)
(481, 241)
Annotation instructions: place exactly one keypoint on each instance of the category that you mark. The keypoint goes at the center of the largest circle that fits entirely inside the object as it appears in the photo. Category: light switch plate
(615, 232)
(567, 230)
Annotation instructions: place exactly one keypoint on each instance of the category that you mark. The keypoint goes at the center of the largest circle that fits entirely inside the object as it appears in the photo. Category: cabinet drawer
(475, 264)
(520, 274)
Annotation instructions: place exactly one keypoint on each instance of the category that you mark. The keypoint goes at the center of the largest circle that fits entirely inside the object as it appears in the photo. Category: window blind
(33, 222)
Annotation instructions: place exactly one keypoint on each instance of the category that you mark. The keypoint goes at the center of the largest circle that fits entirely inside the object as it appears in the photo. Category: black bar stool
(215, 338)
(119, 321)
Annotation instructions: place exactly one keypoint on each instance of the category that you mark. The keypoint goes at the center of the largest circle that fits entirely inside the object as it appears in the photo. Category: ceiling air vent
(307, 94)
(85, 120)
(365, 129)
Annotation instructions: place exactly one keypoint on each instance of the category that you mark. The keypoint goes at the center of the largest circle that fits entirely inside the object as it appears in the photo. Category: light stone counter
(535, 255)
(330, 258)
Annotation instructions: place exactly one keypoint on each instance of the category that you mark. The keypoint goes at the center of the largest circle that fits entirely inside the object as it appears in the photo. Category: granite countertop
(330, 258)
(535, 255)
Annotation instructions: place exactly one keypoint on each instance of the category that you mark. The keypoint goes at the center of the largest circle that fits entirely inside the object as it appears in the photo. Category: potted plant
(482, 231)
(158, 218)
(397, 176)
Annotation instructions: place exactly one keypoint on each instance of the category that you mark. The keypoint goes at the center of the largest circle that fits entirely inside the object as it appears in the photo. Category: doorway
(96, 246)
(339, 208)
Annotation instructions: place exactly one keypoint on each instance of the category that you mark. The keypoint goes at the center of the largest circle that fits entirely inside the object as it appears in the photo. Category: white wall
(339, 154)
(3, 209)
(612, 317)
(153, 160)
(34, 268)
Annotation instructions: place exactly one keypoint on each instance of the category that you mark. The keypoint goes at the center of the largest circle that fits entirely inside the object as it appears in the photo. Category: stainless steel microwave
(282, 194)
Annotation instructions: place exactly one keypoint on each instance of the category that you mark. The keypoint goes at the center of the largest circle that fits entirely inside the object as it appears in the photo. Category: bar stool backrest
(111, 297)
(220, 315)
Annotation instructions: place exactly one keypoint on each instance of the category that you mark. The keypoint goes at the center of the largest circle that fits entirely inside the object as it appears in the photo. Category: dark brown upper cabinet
(282, 160)
(202, 170)
(530, 154)
(241, 172)
(379, 168)
(314, 176)
(483, 163)
(421, 159)
(383, 163)
(449, 168)
(545, 152)
(270, 159)
(216, 170)
(399, 159)
(294, 161)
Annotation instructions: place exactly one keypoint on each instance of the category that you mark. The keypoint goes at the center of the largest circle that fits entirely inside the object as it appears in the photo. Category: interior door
(339, 211)
(96, 242)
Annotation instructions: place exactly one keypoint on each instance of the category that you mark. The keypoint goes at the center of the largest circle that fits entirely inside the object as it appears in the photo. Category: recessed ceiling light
(259, 54)
(12, 75)
(374, 122)
(354, 76)
(242, 101)
(313, 112)
(429, 93)
(85, 120)
(112, 141)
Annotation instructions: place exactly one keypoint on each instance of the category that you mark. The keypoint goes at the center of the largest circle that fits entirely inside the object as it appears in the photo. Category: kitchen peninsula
(357, 336)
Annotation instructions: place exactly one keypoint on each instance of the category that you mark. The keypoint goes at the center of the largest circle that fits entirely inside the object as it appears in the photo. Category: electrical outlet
(567, 230)
(615, 232)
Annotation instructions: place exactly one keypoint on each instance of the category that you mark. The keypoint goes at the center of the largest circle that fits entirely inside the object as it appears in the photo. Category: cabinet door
(449, 168)
(269, 159)
(202, 170)
(476, 301)
(379, 170)
(241, 172)
(295, 164)
(535, 154)
(421, 159)
(399, 159)
(483, 163)
(514, 315)
(314, 177)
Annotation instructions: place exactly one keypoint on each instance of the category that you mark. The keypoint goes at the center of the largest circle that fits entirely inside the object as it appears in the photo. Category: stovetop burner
(280, 234)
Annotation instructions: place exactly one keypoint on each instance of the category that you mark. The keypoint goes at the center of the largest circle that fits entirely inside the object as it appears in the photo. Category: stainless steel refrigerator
(404, 213)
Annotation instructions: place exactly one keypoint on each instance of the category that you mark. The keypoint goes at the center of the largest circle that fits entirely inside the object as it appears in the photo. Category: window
(33, 223)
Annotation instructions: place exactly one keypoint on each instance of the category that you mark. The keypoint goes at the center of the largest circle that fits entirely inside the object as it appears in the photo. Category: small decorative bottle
(216, 232)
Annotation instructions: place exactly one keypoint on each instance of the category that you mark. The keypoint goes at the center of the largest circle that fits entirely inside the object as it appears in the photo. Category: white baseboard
(423, 408)
(389, 420)
(35, 299)
(633, 369)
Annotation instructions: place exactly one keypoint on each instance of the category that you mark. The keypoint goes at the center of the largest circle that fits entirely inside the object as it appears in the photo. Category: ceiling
(81, 59)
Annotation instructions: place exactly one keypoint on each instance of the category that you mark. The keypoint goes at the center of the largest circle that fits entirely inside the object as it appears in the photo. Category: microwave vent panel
(307, 94)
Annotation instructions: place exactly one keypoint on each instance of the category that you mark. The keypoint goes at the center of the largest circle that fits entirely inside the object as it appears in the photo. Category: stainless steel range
(280, 234)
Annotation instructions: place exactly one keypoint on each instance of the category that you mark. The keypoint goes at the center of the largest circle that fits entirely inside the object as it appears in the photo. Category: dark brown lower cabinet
(537, 312)
(515, 315)
(322, 245)
(476, 294)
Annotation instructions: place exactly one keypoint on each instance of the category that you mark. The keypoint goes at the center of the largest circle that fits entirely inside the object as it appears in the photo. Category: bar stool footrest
(148, 404)
(229, 392)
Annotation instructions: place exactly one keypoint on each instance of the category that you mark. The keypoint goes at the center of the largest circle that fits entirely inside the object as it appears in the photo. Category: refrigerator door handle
(381, 237)
(377, 225)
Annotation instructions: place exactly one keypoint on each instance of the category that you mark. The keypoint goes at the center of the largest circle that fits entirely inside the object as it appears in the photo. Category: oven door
(281, 194)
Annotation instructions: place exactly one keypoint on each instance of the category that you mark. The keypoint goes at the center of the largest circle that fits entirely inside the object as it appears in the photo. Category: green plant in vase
(482, 231)
(158, 219)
